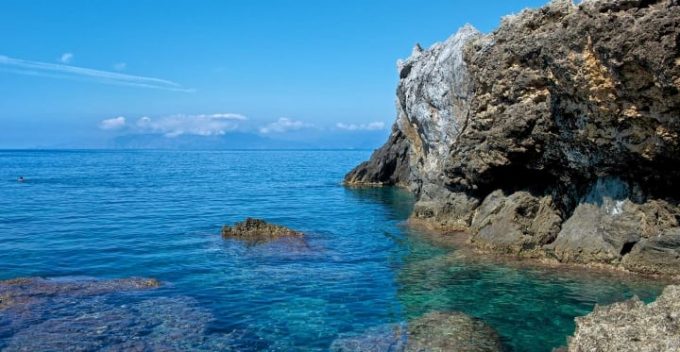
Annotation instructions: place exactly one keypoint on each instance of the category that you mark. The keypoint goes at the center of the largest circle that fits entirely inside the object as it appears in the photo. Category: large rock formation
(631, 326)
(554, 136)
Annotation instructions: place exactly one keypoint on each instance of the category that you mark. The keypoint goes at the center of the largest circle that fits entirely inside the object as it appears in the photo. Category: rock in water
(33, 290)
(257, 231)
(555, 136)
(631, 326)
(451, 331)
(433, 332)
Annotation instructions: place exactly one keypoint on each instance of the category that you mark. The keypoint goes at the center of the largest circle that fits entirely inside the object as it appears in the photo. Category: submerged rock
(631, 326)
(72, 314)
(555, 136)
(433, 332)
(32, 290)
(451, 331)
(257, 231)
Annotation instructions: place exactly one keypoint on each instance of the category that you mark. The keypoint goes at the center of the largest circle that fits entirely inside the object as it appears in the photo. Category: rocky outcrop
(631, 326)
(255, 231)
(555, 136)
(433, 332)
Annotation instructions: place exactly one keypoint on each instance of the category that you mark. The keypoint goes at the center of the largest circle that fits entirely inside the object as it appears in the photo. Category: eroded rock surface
(631, 326)
(257, 231)
(555, 136)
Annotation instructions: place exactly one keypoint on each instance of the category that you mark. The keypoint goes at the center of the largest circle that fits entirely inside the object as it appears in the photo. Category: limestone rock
(631, 326)
(257, 231)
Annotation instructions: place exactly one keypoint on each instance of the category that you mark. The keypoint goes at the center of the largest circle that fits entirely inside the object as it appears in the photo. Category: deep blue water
(113, 214)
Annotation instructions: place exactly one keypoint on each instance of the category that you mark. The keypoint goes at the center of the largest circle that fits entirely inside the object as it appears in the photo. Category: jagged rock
(388, 165)
(519, 223)
(610, 222)
(440, 208)
(510, 135)
(656, 255)
(631, 326)
(433, 332)
(257, 231)
(432, 105)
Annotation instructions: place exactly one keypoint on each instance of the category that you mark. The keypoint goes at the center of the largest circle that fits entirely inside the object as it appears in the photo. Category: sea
(358, 272)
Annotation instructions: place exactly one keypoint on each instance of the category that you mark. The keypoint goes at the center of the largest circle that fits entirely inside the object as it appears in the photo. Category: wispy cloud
(120, 66)
(373, 126)
(115, 123)
(44, 69)
(284, 124)
(201, 125)
(66, 58)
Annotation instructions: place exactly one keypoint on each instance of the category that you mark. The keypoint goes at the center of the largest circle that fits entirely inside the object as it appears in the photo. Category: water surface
(114, 214)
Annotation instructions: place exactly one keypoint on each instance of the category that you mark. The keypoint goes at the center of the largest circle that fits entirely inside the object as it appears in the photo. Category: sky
(79, 73)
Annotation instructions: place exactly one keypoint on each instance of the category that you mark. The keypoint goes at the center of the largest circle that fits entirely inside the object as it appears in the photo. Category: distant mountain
(244, 140)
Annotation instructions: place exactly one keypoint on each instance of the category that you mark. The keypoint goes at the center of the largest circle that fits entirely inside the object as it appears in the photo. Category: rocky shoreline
(553, 138)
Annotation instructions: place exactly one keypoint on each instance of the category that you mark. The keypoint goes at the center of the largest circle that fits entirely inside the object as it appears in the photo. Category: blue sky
(201, 67)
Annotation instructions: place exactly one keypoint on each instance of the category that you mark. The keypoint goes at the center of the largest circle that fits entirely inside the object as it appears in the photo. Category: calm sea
(116, 214)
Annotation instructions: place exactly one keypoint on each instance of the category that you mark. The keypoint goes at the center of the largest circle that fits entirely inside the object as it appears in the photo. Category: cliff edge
(555, 136)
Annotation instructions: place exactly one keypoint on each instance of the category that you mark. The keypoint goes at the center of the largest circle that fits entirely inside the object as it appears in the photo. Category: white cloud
(284, 124)
(66, 58)
(121, 66)
(373, 126)
(113, 123)
(44, 69)
(202, 125)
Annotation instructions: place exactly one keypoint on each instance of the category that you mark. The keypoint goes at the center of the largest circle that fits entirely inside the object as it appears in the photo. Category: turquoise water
(158, 213)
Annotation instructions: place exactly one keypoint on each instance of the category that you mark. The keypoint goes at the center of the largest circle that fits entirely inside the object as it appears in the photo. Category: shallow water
(109, 214)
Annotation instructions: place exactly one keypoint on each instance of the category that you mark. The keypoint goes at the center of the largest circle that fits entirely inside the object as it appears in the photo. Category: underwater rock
(85, 314)
(433, 332)
(257, 231)
(631, 326)
(556, 135)
(32, 290)
(386, 338)
(451, 331)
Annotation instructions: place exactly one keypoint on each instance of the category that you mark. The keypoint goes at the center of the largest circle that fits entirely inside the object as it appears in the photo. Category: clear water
(157, 214)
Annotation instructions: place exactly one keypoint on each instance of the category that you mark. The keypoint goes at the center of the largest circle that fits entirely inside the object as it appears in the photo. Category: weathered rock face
(257, 231)
(557, 134)
(433, 107)
(631, 326)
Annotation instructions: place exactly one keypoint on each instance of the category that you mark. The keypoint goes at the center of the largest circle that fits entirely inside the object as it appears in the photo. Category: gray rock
(432, 104)
(519, 223)
(631, 326)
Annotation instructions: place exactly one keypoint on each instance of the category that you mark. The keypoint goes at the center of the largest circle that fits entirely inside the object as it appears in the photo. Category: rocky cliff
(555, 136)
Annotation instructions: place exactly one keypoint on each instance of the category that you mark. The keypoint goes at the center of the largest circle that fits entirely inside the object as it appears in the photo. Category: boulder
(258, 231)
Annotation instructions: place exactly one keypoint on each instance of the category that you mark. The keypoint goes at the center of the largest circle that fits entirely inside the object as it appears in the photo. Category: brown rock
(257, 231)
